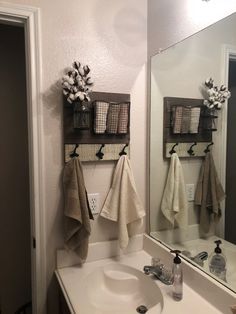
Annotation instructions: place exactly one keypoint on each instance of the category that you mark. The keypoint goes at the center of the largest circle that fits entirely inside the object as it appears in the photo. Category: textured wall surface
(110, 36)
(170, 21)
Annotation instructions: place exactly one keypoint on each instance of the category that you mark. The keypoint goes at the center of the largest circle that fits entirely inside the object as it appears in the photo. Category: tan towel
(233, 309)
(174, 204)
(122, 203)
(76, 211)
(209, 193)
(100, 120)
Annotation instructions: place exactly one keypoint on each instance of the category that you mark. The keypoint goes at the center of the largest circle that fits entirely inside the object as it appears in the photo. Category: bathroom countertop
(69, 277)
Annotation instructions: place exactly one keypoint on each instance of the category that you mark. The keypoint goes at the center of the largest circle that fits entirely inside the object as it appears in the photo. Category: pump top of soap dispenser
(218, 249)
(177, 259)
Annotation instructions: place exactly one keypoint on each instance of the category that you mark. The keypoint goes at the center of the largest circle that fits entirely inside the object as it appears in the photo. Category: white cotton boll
(65, 92)
(70, 101)
(205, 102)
(72, 97)
(211, 99)
(211, 92)
(71, 81)
(66, 84)
(66, 78)
(75, 89)
(219, 105)
(226, 94)
(79, 95)
(81, 71)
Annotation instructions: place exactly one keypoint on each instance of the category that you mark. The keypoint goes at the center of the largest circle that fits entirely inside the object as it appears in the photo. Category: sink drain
(142, 309)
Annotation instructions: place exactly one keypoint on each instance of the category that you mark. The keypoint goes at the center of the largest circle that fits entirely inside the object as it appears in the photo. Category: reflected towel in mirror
(174, 204)
(209, 193)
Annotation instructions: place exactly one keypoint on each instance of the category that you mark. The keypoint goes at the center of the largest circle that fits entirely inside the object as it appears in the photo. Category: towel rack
(88, 152)
(177, 136)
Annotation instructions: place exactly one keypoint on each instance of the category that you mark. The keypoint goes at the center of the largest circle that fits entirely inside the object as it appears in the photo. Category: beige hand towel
(174, 204)
(209, 193)
(123, 118)
(122, 203)
(113, 118)
(194, 119)
(177, 121)
(186, 120)
(100, 121)
(76, 211)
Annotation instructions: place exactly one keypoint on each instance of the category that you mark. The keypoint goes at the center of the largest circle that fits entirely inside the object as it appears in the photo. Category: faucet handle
(156, 261)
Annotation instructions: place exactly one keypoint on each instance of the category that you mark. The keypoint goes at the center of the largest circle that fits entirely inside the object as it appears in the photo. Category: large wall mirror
(180, 71)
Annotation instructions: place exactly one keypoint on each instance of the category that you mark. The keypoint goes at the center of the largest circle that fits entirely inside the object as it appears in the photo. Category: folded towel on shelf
(174, 204)
(209, 193)
(113, 118)
(177, 119)
(123, 118)
(77, 212)
(122, 204)
(185, 126)
(100, 120)
(194, 119)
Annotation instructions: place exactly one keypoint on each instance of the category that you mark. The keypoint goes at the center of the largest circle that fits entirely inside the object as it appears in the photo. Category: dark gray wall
(230, 212)
(15, 266)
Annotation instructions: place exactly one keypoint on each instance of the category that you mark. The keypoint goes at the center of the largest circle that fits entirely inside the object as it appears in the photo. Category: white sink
(118, 289)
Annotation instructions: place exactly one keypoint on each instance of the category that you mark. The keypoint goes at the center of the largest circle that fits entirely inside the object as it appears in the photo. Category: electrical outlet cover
(94, 202)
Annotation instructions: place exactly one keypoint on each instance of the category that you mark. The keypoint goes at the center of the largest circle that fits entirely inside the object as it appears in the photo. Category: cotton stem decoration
(77, 83)
(216, 96)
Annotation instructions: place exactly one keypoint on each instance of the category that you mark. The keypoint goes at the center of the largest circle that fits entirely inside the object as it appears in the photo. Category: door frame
(229, 52)
(29, 18)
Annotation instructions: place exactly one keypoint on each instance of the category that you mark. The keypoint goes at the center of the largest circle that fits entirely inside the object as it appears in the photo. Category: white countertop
(69, 277)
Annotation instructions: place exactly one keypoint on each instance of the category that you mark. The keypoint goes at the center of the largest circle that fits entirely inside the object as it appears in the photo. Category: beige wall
(15, 241)
(170, 21)
(110, 36)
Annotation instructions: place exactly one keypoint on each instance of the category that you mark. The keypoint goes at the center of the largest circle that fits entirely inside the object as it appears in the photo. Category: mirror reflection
(205, 233)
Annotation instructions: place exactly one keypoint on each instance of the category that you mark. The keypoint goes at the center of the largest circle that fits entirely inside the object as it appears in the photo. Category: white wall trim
(30, 18)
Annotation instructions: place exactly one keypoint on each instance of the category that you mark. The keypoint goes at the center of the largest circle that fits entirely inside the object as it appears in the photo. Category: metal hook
(74, 154)
(207, 148)
(190, 151)
(100, 154)
(172, 151)
(123, 152)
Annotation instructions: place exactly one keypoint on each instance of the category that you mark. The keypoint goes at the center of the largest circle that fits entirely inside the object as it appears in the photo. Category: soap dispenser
(177, 277)
(217, 264)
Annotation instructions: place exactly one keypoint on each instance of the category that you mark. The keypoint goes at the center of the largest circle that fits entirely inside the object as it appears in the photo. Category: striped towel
(194, 119)
(113, 118)
(186, 120)
(123, 118)
(177, 119)
(100, 121)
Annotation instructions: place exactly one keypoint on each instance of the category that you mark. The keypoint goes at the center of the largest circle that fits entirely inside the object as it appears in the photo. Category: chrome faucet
(160, 272)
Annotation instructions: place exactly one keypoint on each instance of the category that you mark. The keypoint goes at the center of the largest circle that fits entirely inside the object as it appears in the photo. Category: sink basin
(118, 289)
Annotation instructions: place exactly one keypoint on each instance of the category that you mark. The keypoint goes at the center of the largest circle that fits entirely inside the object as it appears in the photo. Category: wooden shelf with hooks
(186, 141)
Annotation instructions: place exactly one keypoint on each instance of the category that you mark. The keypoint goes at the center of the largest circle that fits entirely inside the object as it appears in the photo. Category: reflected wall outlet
(190, 190)
(94, 200)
